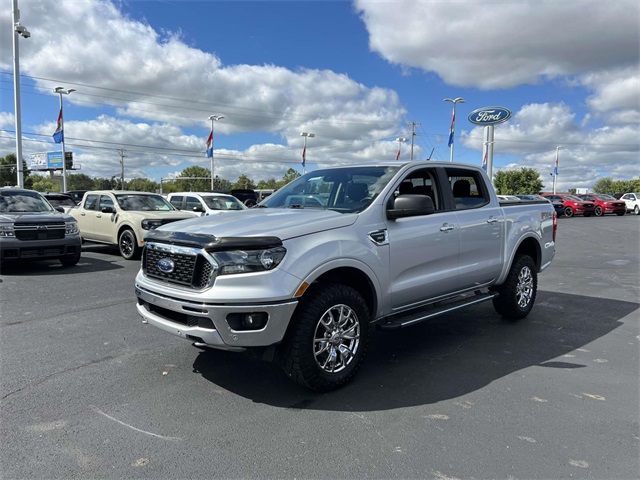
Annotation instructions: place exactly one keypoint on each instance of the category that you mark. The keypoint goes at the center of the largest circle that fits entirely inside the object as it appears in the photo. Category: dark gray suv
(30, 228)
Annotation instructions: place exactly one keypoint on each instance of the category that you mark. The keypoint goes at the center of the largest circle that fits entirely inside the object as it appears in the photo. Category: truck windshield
(221, 202)
(344, 190)
(137, 202)
(23, 202)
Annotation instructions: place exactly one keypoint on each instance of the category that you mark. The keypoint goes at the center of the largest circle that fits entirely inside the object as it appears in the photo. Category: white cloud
(616, 94)
(500, 44)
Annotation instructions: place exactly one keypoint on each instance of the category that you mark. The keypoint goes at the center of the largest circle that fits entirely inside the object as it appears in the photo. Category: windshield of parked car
(343, 190)
(223, 202)
(604, 196)
(61, 201)
(13, 202)
(575, 199)
(132, 201)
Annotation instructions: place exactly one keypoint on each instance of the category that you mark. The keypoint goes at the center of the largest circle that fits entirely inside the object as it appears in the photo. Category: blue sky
(148, 74)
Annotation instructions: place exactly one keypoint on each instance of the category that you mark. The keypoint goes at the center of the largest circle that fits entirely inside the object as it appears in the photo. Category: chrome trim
(166, 248)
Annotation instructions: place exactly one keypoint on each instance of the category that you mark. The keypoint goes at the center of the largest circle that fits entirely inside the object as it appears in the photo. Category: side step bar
(416, 316)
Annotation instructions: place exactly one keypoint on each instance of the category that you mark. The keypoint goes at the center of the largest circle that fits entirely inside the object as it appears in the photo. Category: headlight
(151, 224)
(71, 228)
(6, 230)
(246, 261)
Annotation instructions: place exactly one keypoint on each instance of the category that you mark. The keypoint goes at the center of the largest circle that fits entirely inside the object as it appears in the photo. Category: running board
(416, 316)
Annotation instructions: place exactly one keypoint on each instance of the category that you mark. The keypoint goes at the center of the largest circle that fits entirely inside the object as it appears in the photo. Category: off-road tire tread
(295, 358)
(505, 302)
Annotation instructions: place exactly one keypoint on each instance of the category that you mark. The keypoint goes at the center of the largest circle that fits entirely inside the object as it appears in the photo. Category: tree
(523, 180)
(9, 174)
(266, 184)
(80, 181)
(142, 185)
(604, 185)
(288, 177)
(45, 184)
(188, 185)
(243, 182)
(610, 186)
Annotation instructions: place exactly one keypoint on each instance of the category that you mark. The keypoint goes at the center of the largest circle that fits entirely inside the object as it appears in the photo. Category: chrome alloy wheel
(524, 287)
(336, 338)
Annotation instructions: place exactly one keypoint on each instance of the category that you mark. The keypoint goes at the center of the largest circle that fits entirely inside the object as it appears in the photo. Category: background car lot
(87, 390)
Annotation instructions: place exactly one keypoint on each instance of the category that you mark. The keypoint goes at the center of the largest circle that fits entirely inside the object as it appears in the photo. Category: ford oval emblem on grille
(165, 265)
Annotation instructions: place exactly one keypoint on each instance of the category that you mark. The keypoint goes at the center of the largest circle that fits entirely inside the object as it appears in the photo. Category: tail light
(555, 225)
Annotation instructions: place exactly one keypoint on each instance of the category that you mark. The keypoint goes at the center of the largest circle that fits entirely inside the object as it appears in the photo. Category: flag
(210, 144)
(304, 155)
(58, 135)
(484, 159)
(398, 154)
(555, 170)
(453, 126)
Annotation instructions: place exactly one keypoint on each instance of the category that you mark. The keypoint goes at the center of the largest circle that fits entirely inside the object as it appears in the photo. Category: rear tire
(128, 245)
(636, 210)
(568, 212)
(517, 294)
(70, 260)
(328, 338)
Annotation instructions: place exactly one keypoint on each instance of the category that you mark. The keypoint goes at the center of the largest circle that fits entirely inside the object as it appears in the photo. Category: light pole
(304, 149)
(213, 119)
(400, 141)
(63, 91)
(18, 30)
(555, 169)
(452, 129)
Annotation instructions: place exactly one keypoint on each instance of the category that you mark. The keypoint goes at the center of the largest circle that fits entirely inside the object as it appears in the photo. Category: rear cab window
(176, 201)
(468, 188)
(191, 203)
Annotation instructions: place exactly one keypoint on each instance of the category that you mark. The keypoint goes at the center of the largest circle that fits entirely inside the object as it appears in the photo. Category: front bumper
(12, 248)
(207, 323)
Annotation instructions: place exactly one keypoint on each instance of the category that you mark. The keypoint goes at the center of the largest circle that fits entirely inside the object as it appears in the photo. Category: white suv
(633, 202)
(205, 203)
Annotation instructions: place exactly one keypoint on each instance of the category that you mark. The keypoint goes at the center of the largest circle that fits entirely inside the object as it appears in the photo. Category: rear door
(87, 217)
(177, 201)
(480, 223)
(193, 204)
(423, 250)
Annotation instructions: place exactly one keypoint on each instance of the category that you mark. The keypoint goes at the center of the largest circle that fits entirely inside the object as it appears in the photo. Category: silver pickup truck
(306, 275)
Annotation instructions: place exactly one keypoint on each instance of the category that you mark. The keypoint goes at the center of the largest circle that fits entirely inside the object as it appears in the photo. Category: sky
(149, 74)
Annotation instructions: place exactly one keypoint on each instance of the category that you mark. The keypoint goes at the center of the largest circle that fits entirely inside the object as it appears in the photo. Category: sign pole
(64, 162)
(489, 134)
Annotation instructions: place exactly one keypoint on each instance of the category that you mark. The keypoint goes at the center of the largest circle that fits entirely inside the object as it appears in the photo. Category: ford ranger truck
(308, 273)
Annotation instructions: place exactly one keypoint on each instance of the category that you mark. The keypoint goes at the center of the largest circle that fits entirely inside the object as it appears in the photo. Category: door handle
(83, 214)
(446, 227)
(98, 216)
(492, 220)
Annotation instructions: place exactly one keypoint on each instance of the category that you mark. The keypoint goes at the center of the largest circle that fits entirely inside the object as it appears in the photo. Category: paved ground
(88, 391)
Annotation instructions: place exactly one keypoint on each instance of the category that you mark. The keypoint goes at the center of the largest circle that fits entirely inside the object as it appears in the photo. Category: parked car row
(596, 204)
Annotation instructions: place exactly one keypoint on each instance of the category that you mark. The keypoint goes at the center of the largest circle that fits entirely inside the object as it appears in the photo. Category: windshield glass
(61, 202)
(604, 196)
(23, 202)
(143, 202)
(223, 203)
(575, 199)
(344, 190)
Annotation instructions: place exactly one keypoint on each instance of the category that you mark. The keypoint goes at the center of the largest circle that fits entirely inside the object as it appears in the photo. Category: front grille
(189, 269)
(39, 231)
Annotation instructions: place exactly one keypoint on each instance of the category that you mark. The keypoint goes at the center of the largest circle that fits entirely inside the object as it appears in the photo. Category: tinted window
(138, 202)
(225, 202)
(105, 201)
(176, 201)
(23, 202)
(468, 188)
(421, 182)
(91, 202)
(61, 201)
(192, 202)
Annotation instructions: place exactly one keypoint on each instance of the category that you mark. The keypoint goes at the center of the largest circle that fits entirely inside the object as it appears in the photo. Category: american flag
(210, 144)
(58, 135)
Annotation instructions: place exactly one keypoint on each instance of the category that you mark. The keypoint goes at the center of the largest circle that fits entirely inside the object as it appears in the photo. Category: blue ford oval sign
(489, 115)
(165, 265)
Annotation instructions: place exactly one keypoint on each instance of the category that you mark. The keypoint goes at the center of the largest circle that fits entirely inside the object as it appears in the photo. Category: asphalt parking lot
(87, 390)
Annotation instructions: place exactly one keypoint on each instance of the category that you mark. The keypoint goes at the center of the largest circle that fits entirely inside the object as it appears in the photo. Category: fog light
(247, 321)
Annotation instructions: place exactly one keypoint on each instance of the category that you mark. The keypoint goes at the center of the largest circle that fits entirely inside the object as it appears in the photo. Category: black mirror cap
(410, 205)
(59, 209)
(108, 210)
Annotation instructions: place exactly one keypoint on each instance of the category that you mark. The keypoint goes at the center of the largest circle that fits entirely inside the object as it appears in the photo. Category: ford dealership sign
(489, 115)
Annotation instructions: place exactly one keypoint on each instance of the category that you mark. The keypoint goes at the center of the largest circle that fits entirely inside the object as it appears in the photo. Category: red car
(605, 204)
(573, 205)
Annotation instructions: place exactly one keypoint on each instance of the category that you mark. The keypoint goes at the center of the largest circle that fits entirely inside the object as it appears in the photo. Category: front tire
(568, 212)
(598, 211)
(517, 294)
(328, 339)
(128, 245)
(636, 210)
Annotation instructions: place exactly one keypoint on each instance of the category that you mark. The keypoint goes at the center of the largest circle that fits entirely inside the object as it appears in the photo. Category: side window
(468, 188)
(421, 182)
(91, 203)
(191, 203)
(105, 201)
(176, 201)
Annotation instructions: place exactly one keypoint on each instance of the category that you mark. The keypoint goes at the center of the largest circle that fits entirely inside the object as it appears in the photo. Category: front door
(87, 217)
(423, 249)
(105, 222)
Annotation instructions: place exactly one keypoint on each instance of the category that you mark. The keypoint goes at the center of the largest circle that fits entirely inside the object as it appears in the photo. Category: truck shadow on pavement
(439, 360)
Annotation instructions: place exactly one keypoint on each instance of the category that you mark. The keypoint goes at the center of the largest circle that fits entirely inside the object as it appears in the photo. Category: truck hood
(20, 217)
(283, 223)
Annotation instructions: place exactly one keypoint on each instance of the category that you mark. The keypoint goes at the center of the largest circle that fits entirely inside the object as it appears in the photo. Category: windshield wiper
(296, 205)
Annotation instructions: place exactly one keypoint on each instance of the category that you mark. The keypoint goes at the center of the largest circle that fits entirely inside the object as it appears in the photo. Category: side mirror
(59, 209)
(410, 205)
(198, 209)
(108, 210)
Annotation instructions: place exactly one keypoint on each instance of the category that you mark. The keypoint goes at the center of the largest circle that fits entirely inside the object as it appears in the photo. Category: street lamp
(213, 118)
(304, 149)
(555, 169)
(63, 91)
(455, 101)
(400, 141)
(18, 31)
